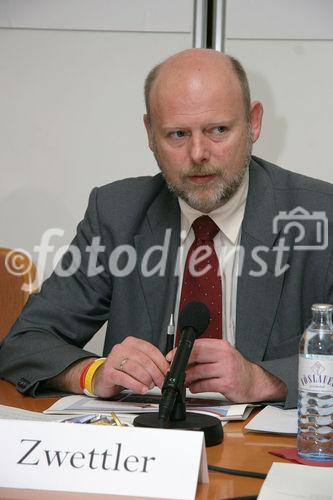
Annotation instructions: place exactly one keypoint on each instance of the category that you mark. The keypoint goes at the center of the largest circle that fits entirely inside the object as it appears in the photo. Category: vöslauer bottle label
(315, 374)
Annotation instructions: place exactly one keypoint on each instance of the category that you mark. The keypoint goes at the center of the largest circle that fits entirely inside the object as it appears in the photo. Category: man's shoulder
(133, 186)
(124, 204)
(286, 180)
(130, 194)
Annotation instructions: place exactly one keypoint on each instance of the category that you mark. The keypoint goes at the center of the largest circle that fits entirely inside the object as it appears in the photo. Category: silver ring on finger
(122, 364)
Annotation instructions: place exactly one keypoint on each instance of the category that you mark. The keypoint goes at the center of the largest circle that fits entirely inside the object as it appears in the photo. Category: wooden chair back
(17, 282)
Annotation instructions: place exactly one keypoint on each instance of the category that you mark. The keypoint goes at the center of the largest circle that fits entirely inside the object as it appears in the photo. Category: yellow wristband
(89, 376)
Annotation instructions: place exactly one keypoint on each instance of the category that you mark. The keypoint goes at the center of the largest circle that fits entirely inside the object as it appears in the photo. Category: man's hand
(216, 366)
(133, 364)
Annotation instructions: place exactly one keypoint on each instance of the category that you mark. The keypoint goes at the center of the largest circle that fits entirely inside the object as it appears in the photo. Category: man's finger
(148, 350)
(202, 372)
(129, 382)
(207, 385)
(140, 366)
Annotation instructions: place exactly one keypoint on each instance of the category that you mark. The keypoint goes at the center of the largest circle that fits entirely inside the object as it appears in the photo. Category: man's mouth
(202, 179)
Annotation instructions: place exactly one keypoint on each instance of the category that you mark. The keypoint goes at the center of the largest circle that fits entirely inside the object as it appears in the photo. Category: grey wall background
(71, 100)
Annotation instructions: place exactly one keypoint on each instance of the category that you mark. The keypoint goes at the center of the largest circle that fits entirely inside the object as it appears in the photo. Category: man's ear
(256, 113)
(149, 131)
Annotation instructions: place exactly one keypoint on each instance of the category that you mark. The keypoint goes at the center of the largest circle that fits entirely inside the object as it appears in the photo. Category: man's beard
(217, 194)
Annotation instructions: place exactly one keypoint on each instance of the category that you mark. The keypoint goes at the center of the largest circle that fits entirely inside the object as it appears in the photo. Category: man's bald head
(188, 62)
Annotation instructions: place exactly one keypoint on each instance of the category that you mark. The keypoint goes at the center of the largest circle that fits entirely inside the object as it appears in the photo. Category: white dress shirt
(229, 219)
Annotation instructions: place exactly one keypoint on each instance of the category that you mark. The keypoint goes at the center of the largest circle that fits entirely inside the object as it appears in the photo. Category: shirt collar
(228, 217)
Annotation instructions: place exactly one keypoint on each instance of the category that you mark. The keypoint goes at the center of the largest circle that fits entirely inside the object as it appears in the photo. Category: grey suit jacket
(273, 307)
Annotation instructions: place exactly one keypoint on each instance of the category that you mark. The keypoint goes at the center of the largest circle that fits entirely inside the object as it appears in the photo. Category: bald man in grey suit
(201, 126)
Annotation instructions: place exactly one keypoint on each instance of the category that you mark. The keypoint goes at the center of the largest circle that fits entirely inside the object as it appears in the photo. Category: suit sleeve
(57, 322)
(286, 369)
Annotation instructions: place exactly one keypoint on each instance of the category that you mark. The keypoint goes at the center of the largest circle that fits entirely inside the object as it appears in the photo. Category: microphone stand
(172, 414)
(179, 409)
(179, 418)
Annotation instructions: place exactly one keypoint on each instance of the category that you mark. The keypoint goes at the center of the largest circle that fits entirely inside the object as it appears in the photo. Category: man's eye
(219, 130)
(178, 134)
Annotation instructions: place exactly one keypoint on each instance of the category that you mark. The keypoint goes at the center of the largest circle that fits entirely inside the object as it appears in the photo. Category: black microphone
(193, 321)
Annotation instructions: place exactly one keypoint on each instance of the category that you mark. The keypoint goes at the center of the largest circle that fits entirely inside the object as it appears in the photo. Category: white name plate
(112, 461)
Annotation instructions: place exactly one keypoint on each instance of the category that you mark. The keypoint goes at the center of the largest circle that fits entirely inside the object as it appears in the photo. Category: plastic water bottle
(315, 387)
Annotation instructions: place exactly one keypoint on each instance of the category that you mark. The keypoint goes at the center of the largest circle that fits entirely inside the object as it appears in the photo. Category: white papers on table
(12, 413)
(288, 481)
(274, 420)
(83, 404)
(225, 412)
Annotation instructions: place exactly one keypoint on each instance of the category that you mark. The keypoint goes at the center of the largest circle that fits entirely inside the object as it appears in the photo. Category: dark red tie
(202, 280)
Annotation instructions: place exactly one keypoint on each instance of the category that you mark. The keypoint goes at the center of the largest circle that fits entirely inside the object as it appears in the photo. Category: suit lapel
(258, 296)
(161, 229)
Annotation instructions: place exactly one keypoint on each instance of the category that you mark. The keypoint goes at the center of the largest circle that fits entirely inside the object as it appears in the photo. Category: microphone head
(195, 315)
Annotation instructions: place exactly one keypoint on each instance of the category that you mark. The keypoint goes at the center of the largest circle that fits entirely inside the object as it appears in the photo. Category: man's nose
(199, 149)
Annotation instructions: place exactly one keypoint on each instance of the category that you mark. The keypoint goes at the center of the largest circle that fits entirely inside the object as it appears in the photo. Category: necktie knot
(205, 228)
